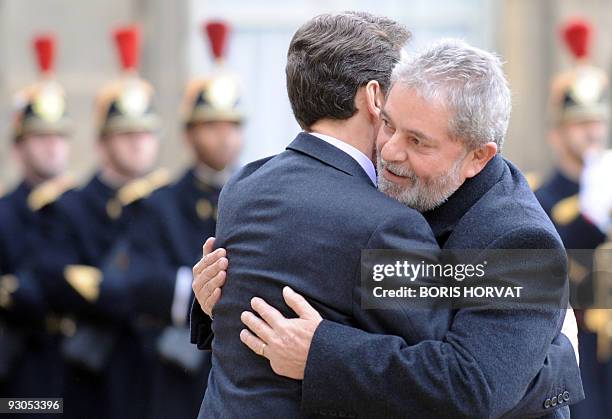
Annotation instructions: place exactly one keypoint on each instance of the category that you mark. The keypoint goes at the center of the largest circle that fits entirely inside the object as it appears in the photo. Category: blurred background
(161, 367)
(524, 32)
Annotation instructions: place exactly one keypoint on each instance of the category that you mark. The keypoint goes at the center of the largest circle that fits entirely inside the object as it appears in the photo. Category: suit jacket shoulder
(512, 197)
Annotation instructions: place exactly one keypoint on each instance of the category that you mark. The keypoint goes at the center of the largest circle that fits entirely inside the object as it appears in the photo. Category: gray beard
(422, 196)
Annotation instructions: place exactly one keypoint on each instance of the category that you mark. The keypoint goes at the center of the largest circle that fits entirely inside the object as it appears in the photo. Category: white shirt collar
(363, 160)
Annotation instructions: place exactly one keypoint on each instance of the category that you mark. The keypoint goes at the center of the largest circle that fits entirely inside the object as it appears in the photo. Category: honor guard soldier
(106, 373)
(28, 365)
(580, 110)
(165, 244)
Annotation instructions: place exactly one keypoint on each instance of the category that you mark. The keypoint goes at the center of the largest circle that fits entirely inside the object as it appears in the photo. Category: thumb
(208, 246)
(299, 304)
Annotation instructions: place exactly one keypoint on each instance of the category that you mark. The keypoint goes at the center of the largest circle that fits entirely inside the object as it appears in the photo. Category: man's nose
(393, 151)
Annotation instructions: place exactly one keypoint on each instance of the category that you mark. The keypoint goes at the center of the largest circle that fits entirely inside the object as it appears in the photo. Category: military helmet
(581, 93)
(41, 107)
(125, 105)
(217, 96)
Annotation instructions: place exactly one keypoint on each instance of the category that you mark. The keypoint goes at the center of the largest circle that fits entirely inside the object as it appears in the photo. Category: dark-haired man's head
(339, 65)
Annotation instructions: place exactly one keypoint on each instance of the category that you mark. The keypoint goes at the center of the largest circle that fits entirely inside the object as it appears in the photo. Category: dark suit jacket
(489, 362)
(301, 219)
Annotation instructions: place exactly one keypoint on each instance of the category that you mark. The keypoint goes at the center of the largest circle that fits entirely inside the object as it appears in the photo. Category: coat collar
(100, 188)
(444, 218)
(98, 194)
(328, 154)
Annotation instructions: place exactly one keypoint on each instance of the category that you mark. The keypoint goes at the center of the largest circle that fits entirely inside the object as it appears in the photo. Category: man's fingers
(271, 315)
(299, 304)
(199, 267)
(210, 292)
(211, 302)
(208, 260)
(211, 271)
(208, 247)
(253, 342)
(204, 285)
(216, 282)
(259, 327)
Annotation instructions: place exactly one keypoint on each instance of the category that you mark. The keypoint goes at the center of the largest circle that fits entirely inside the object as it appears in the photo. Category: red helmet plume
(44, 46)
(217, 32)
(577, 34)
(128, 45)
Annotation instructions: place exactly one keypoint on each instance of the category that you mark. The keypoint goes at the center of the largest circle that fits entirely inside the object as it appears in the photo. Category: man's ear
(374, 98)
(479, 158)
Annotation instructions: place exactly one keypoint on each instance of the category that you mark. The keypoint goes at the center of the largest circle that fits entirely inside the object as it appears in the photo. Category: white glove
(570, 329)
(596, 189)
(182, 296)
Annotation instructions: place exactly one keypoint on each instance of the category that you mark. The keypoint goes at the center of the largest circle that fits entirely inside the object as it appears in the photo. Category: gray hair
(469, 81)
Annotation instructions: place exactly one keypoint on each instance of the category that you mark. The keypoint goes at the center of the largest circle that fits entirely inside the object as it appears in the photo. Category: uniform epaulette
(48, 192)
(85, 280)
(159, 178)
(534, 180)
(143, 187)
(566, 210)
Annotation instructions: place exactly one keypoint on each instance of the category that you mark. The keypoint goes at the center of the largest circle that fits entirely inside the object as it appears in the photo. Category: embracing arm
(483, 367)
(472, 371)
(208, 278)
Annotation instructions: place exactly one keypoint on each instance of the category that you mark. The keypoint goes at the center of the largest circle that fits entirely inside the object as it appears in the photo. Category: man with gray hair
(443, 124)
(468, 87)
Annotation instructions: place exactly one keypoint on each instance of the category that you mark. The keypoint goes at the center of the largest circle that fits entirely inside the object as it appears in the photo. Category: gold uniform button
(5, 299)
(10, 283)
(67, 327)
(113, 209)
(204, 209)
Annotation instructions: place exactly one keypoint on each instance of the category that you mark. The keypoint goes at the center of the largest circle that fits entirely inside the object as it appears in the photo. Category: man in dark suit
(427, 377)
(305, 190)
